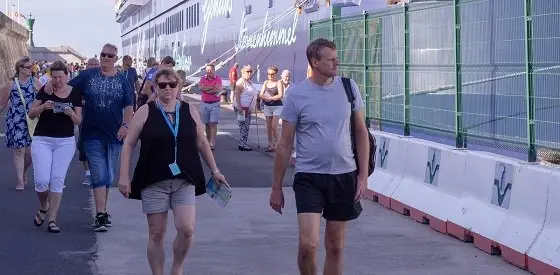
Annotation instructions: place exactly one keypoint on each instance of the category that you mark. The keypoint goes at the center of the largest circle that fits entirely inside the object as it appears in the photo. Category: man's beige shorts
(162, 196)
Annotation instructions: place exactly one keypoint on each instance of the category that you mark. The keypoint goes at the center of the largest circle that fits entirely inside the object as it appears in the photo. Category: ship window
(191, 11)
(248, 9)
(188, 17)
(270, 3)
(197, 14)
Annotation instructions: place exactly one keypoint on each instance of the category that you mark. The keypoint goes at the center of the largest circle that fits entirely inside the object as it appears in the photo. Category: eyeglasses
(109, 55)
(163, 85)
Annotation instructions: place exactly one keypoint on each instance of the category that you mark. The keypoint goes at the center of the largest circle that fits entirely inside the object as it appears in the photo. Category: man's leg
(214, 119)
(309, 225)
(113, 156)
(97, 153)
(334, 245)
(339, 209)
(309, 203)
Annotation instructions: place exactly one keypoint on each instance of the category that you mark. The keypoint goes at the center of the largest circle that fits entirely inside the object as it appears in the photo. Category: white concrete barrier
(446, 202)
(544, 254)
(389, 166)
(526, 213)
(489, 180)
(421, 175)
(505, 206)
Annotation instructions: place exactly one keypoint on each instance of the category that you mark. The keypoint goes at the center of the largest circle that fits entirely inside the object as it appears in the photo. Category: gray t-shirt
(322, 118)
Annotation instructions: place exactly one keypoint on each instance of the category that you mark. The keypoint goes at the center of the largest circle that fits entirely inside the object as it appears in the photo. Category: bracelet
(125, 125)
(216, 172)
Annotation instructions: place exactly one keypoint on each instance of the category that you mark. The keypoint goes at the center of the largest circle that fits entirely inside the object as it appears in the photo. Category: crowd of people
(114, 109)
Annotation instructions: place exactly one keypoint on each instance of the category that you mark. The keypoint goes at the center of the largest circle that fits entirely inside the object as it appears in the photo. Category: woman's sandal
(53, 228)
(40, 217)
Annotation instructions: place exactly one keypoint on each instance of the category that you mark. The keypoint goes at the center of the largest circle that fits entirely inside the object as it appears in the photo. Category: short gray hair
(285, 72)
(112, 46)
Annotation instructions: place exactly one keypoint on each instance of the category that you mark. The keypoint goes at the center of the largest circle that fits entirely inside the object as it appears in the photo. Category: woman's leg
(19, 163)
(62, 155)
(274, 130)
(27, 163)
(183, 205)
(41, 153)
(269, 132)
(157, 225)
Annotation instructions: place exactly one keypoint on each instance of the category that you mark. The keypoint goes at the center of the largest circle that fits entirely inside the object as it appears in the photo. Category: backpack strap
(350, 95)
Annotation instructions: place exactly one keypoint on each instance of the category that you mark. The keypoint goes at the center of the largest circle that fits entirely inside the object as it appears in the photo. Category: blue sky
(82, 24)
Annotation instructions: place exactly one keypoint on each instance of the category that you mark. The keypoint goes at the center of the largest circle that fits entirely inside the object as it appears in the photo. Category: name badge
(174, 169)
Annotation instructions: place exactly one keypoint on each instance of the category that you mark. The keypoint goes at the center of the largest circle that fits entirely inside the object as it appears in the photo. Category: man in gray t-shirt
(317, 112)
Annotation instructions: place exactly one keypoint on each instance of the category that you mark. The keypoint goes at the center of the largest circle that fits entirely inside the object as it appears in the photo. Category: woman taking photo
(53, 145)
(244, 103)
(17, 135)
(169, 173)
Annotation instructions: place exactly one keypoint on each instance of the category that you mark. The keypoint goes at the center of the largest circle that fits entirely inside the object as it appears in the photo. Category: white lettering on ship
(268, 36)
(211, 10)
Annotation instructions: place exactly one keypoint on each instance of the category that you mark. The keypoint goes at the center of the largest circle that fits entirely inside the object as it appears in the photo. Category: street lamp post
(30, 22)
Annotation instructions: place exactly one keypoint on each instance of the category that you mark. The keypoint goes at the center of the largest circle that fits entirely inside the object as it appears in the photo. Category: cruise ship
(261, 33)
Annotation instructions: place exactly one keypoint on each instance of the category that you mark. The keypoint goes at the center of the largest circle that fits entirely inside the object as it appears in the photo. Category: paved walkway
(245, 238)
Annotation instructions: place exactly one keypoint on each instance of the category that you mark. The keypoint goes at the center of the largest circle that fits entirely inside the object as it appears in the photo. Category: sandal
(53, 228)
(40, 217)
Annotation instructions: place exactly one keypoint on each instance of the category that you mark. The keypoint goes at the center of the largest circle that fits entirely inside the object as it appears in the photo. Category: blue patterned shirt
(105, 98)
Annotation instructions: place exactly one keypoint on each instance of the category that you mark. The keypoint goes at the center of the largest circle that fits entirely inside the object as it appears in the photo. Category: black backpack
(372, 141)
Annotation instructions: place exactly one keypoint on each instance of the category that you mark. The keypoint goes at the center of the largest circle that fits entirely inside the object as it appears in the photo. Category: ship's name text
(211, 10)
(268, 36)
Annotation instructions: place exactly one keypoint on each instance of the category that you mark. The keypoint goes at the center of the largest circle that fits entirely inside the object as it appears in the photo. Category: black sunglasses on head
(163, 85)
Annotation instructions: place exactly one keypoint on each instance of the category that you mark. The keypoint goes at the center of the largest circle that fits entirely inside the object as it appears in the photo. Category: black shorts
(332, 195)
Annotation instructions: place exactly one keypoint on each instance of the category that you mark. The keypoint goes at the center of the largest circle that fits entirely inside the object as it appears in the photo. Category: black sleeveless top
(157, 150)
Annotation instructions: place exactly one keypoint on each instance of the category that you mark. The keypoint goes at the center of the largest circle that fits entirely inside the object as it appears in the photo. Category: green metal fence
(505, 54)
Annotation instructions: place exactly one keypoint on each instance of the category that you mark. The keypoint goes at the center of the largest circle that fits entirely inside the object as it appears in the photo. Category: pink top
(206, 81)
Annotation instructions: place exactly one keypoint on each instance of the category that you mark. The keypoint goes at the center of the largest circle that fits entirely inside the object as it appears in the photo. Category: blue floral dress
(17, 135)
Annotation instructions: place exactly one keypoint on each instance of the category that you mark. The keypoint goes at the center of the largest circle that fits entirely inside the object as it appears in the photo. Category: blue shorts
(103, 160)
(210, 112)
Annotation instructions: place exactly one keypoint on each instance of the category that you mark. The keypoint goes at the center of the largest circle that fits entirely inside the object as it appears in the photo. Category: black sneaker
(107, 221)
(100, 223)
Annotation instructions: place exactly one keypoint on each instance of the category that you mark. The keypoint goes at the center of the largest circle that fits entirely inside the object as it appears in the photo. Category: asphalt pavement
(245, 238)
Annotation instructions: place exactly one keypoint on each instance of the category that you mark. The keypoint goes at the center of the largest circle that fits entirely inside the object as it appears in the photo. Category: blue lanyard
(174, 130)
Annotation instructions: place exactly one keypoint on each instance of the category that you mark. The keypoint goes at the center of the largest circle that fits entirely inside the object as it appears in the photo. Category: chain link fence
(407, 61)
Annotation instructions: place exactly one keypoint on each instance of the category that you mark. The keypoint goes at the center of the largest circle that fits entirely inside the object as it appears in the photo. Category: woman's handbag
(31, 123)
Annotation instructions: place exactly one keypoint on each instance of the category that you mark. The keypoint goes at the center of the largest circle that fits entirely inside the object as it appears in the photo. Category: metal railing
(408, 60)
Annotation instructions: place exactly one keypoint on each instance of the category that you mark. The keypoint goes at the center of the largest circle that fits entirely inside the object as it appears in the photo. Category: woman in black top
(54, 145)
(169, 173)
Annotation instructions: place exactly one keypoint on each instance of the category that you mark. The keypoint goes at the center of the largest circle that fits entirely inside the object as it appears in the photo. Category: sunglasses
(163, 85)
(109, 55)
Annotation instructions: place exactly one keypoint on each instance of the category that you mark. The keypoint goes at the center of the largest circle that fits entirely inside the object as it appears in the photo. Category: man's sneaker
(100, 223)
(107, 221)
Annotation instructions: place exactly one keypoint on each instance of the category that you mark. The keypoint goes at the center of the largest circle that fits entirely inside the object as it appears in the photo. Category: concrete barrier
(504, 206)
(13, 39)
(391, 150)
(421, 170)
(544, 255)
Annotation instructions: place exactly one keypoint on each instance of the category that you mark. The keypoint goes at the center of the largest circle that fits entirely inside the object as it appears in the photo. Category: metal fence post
(406, 71)
(531, 139)
(336, 12)
(367, 53)
(459, 131)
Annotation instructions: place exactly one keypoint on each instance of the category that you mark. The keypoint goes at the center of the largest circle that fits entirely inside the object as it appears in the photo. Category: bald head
(92, 63)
